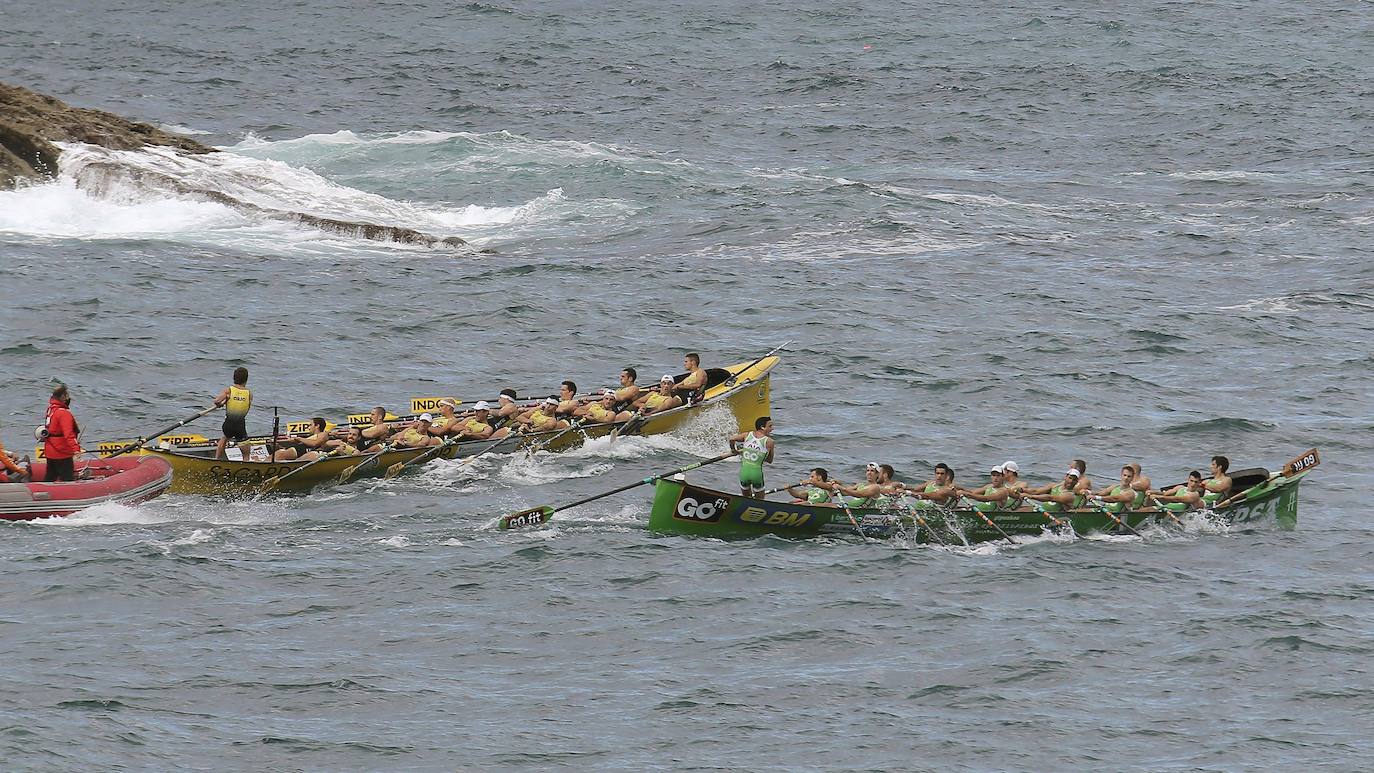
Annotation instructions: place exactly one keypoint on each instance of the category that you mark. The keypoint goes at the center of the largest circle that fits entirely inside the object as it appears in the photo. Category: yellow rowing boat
(744, 388)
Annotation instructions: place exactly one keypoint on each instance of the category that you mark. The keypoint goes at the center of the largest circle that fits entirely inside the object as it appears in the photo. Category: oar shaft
(142, 441)
(735, 376)
(647, 480)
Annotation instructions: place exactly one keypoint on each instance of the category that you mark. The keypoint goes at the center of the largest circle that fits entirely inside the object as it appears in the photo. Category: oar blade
(526, 518)
(395, 469)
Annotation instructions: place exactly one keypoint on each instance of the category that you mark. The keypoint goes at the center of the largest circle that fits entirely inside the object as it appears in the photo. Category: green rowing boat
(681, 508)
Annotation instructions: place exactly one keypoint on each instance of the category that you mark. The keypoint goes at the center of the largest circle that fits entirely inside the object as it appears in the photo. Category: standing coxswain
(236, 399)
(755, 449)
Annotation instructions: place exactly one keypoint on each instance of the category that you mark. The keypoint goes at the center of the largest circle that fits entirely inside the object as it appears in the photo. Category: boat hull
(127, 480)
(680, 508)
(195, 471)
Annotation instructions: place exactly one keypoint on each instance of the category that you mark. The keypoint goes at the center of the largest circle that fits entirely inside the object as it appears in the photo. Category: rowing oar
(986, 519)
(921, 521)
(1101, 507)
(541, 514)
(1039, 508)
(535, 447)
(1300, 463)
(347, 473)
(143, 441)
(1166, 510)
(273, 482)
(734, 377)
(615, 433)
(396, 468)
(839, 497)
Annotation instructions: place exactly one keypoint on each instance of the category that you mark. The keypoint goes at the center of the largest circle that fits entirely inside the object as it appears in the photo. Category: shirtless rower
(1187, 496)
(813, 491)
(417, 434)
(602, 411)
(1062, 495)
(478, 427)
(990, 495)
(1120, 496)
(937, 490)
(310, 445)
(1217, 487)
(692, 388)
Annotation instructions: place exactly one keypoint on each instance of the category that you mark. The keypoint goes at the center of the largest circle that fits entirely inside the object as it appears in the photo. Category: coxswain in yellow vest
(236, 399)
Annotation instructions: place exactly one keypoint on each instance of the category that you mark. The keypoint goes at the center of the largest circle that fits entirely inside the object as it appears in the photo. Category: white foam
(61, 210)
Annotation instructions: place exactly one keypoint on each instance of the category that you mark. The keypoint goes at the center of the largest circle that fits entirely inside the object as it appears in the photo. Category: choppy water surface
(1027, 232)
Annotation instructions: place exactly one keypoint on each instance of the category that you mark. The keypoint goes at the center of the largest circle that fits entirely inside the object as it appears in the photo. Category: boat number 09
(687, 507)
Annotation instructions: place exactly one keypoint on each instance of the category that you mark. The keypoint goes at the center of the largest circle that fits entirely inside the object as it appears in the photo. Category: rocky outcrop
(31, 122)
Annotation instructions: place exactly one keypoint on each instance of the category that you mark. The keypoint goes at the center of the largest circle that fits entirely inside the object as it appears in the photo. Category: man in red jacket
(61, 446)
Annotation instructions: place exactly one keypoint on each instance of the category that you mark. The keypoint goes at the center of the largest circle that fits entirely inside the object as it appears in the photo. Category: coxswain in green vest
(1185, 497)
(1062, 496)
(755, 449)
(1118, 497)
(1217, 487)
(936, 491)
(991, 495)
(815, 490)
(236, 399)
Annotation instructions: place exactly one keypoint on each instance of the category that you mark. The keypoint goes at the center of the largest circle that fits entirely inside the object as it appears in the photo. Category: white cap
(481, 405)
(426, 417)
(608, 393)
(1073, 472)
(667, 379)
(872, 466)
(1010, 467)
(551, 401)
(998, 470)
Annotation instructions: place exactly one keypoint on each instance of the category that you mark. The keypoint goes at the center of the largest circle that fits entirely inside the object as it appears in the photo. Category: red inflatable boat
(126, 479)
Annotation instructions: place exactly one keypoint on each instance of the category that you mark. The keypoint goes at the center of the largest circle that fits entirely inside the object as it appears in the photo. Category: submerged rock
(30, 124)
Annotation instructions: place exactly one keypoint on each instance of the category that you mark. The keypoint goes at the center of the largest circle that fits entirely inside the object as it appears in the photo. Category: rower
(862, 494)
(417, 434)
(1063, 495)
(567, 400)
(815, 492)
(237, 399)
(937, 490)
(479, 426)
(1140, 483)
(662, 400)
(506, 411)
(692, 388)
(1120, 495)
(348, 444)
(379, 430)
(544, 417)
(627, 394)
(1084, 485)
(447, 422)
(1218, 487)
(1185, 497)
(602, 411)
(311, 445)
(991, 494)
(755, 449)
(1011, 478)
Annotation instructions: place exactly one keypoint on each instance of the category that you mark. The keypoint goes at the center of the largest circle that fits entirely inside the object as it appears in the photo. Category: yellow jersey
(240, 400)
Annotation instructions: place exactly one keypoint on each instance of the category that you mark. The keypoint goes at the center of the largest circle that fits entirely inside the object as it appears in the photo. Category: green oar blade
(531, 517)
